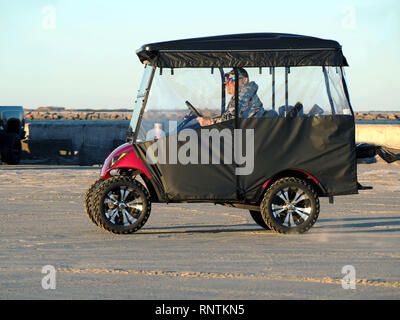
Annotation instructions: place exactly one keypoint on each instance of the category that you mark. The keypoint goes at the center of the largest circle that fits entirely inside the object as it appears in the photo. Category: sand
(193, 251)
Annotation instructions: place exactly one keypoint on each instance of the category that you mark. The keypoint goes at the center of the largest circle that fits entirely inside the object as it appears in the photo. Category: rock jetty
(51, 114)
(76, 115)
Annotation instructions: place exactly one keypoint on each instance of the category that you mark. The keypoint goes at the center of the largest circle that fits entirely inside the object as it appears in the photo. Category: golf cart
(299, 146)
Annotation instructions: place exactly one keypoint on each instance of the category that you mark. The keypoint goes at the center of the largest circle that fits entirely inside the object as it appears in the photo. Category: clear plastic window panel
(166, 107)
(314, 90)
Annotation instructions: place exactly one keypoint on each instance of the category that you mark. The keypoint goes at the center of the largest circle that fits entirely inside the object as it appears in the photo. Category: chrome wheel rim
(123, 206)
(291, 206)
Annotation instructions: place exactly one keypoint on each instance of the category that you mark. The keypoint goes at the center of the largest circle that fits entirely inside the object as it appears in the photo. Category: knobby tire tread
(270, 192)
(96, 205)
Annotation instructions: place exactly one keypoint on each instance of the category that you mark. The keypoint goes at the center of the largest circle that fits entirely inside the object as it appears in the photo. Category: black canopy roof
(244, 50)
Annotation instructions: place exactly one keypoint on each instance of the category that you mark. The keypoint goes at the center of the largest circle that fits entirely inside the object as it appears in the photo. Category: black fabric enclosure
(244, 50)
(323, 147)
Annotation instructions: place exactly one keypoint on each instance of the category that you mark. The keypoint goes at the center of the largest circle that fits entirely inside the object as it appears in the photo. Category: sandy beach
(193, 251)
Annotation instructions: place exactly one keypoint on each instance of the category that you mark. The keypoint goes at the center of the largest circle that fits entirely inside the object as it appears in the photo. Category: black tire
(290, 205)
(88, 199)
(121, 205)
(257, 217)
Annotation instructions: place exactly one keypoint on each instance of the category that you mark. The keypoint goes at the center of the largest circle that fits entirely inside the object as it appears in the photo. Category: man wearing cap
(250, 104)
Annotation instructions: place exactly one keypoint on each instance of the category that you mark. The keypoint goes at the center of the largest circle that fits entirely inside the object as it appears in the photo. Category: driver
(250, 104)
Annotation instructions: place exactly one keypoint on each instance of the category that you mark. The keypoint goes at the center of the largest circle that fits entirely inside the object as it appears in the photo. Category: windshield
(141, 99)
(172, 92)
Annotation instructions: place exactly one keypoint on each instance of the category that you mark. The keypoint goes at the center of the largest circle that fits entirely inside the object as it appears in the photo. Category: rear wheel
(257, 217)
(290, 205)
(121, 205)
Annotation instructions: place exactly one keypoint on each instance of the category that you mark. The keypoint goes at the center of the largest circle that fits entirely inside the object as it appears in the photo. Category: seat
(281, 110)
(270, 114)
(292, 111)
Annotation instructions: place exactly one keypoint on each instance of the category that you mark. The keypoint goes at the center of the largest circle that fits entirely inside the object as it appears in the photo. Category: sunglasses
(228, 80)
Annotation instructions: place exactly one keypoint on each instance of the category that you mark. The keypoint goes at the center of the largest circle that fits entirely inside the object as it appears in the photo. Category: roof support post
(236, 95)
(346, 91)
(236, 126)
(272, 72)
(328, 90)
(223, 97)
(287, 71)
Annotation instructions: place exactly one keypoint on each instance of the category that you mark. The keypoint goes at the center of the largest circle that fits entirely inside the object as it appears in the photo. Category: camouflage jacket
(250, 104)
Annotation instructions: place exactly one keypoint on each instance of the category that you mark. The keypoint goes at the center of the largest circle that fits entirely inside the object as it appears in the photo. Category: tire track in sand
(228, 275)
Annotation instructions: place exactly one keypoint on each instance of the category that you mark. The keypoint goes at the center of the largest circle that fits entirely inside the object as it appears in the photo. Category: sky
(82, 54)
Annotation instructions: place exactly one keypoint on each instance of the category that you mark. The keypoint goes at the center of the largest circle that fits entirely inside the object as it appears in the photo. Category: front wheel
(121, 205)
(87, 202)
(290, 205)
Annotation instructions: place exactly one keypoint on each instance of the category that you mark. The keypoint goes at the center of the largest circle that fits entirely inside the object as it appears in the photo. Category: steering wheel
(193, 109)
(189, 117)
